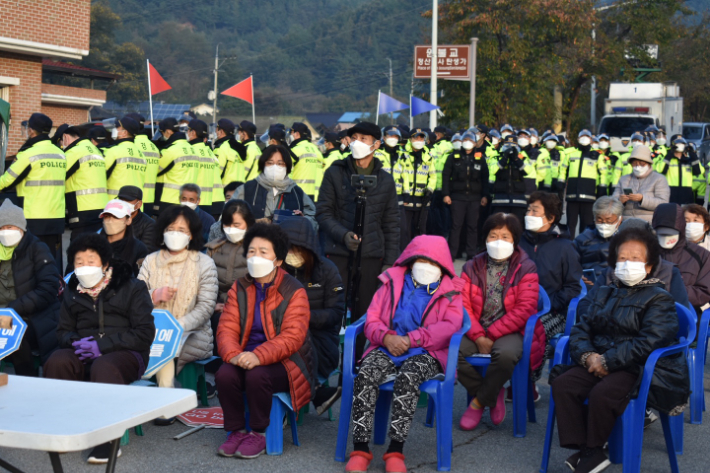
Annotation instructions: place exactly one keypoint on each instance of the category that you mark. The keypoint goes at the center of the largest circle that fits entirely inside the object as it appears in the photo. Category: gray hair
(607, 205)
(191, 188)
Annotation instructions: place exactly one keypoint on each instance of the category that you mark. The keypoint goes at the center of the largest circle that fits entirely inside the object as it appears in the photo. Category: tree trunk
(573, 101)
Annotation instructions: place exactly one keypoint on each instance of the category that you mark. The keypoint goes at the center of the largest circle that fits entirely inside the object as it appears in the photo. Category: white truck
(632, 107)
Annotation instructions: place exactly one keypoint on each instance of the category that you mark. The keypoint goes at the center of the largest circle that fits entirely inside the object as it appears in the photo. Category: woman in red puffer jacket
(500, 294)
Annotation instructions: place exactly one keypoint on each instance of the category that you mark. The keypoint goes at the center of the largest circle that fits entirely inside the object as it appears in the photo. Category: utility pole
(434, 61)
(593, 98)
(411, 117)
(391, 93)
(214, 100)
(472, 106)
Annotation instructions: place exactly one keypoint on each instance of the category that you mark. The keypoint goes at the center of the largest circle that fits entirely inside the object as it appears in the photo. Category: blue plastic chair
(626, 441)
(441, 393)
(697, 357)
(280, 407)
(571, 317)
(522, 387)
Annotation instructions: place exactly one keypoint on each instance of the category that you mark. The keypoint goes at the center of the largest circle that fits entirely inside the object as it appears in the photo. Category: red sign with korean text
(453, 62)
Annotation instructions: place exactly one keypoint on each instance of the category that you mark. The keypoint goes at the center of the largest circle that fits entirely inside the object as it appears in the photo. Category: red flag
(157, 83)
(242, 90)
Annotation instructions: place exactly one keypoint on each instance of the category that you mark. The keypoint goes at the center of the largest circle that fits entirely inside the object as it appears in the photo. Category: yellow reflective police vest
(413, 180)
(205, 174)
(85, 188)
(178, 165)
(125, 165)
(151, 153)
(39, 174)
(582, 171)
(250, 165)
(227, 158)
(308, 171)
(331, 156)
(382, 153)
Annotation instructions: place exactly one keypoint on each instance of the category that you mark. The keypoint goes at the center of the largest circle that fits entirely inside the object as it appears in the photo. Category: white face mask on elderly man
(360, 150)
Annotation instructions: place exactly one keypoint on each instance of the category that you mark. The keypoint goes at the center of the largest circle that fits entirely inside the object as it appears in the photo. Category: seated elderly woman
(262, 339)
(697, 225)
(112, 349)
(409, 325)
(592, 244)
(500, 294)
(626, 321)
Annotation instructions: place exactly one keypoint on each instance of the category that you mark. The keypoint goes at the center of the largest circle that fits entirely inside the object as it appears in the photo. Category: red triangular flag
(157, 83)
(242, 90)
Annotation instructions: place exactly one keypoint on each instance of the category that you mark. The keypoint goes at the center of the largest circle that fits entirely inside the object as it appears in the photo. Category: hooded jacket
(520, 297)
(128, 314)
(654, 189)
(230, 262)
(692, 260)
(557, 265)
(263, 201)
(626, 324)
(336, 212)
(326, 295)
(443, 315)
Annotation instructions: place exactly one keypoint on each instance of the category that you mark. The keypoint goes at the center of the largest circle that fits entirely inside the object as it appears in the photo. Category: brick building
(35, 36)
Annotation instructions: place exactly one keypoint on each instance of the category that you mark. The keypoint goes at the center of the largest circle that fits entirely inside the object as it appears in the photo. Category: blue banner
(167, 342)
(388, 104)
(10, 338)
(420, 106)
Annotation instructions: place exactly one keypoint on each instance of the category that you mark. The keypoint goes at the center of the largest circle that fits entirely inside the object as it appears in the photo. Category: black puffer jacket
(335, 212)
(325, 292)
(146, 230)
(128, 314)
(37, 283)
(557, 265)
(626, 324)
(465, 176)
(593, 250)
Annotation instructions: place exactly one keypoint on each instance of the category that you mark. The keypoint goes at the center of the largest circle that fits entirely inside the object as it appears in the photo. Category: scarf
(6, 252)
(179, 271)
(95, 291)
(282, 185)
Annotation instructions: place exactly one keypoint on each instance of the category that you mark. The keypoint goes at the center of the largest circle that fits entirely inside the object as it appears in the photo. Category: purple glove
(87, 350)
(76, 343)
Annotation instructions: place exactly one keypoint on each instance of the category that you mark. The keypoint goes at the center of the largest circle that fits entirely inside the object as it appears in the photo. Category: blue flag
(388, 104)
(420, 106)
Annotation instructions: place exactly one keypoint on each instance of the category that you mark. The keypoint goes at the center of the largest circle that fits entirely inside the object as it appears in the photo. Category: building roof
(352, 117)
(328, 120)
(74, 70)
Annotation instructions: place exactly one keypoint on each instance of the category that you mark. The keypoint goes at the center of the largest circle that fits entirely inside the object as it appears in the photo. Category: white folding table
(67, 416)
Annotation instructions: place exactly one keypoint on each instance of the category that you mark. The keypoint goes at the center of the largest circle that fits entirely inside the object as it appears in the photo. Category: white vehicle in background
(632, 107)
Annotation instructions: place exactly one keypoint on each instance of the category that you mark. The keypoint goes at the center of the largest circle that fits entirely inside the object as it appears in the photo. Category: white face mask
(630, 272)
(176, 241)
(294, 260)
(584, 141)
(234, 234)
(114, 133)
(533, 223)
(359, 149)
(9, 238)
(523, 142)
(680, 148)
(661, 141)
(639, 170)
(694, 231)
(467, 145)
(114, 226)
(533, 140)
(392, 141)
(505, 134)
(595, 145)
(495, 141)
(342, 147)
(89, 276)
(426, 273)
(259, 267)
(499, 249)
(417, 145)
(668, 241)
(603, 144)
(550, 144)
(636, 143)
(191, 205)
(606, 230)
(478, 138)
(275, 172)
(457, 145)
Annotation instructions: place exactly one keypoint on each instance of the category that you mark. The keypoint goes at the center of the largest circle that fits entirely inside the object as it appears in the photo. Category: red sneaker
(252, 446)
(394, 463)
(498, 411)
(229, 447)
(471, 418)
(359, 462)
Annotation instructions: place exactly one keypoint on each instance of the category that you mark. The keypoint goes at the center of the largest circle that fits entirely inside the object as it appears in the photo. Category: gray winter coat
(230, 261)
(654, 189)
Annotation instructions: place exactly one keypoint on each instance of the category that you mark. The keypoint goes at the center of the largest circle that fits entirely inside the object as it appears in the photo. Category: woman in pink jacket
(500, 294)
(409, 325)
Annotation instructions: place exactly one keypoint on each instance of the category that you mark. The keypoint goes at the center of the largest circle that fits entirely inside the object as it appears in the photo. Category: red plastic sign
(453, 62)
(210, 417)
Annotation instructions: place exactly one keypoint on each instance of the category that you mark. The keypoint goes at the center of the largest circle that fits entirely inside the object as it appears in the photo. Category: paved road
(487, 449)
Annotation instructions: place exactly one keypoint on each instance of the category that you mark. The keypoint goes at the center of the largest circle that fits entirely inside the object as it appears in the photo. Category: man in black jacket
(335, 212)
(144, 227)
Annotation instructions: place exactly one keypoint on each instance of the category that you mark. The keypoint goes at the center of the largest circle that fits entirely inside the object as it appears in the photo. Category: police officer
(85, 189)
(679, 168)
(125, 163)
(441, 146)
(585, 172)
(506, 179)
(143, 227)
(100, 137)
(331, 145)
(506, 130)
(225, 154)
(415, 180)
(39, 175)
(465, 188)
(391, 150)
(552, 153)
(248, 152)
(151, 153)
(178, 165)
(197, 132)
(538, 169)
(308, 162)
(622, 167)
